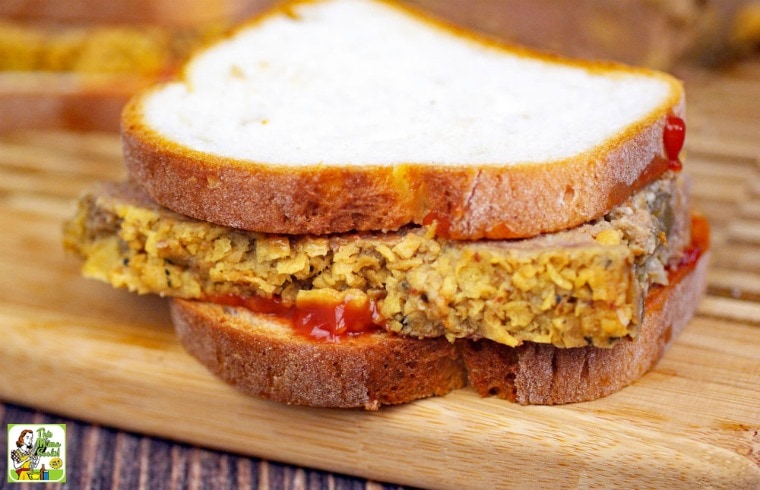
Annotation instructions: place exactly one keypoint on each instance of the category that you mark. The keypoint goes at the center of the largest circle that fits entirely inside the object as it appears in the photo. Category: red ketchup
(700, 242)
(331, 322)
(317, 320)
(673, 137)
(442, 224)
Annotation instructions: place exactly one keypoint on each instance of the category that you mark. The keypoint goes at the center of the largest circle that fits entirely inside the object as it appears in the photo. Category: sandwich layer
(260, 355)
(582, 286)
(280, 129)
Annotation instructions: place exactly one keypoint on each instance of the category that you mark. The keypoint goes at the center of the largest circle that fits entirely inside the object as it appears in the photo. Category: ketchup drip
(324, 321)
(673, 138)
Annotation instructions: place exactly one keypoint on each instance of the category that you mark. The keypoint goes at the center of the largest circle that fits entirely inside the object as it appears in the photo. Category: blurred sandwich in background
(653, 33)
(74, 64)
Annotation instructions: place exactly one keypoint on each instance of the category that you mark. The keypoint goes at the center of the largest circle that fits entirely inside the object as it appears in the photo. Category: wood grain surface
(77, 348)
(109, 458)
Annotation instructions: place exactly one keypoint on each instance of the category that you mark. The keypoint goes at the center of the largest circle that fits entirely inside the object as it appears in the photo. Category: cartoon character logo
(31, 447)
(23, 457)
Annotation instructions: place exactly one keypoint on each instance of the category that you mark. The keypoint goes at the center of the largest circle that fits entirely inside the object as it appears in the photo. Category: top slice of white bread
(405, 110)
(354, 82)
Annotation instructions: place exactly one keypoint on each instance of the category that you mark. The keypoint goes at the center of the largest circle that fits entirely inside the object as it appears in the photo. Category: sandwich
(75, 64)
(350, 204)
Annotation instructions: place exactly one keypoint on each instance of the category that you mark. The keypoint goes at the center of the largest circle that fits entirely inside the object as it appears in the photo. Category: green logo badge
(36, 453)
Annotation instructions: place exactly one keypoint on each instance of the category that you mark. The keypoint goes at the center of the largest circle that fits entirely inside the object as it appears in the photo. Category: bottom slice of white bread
(262, 356)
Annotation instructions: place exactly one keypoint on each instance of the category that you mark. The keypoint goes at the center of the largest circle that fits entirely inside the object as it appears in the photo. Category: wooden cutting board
(81, 349)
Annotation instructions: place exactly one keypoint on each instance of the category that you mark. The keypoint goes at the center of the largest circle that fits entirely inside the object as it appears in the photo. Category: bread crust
(470, 202)
(264, 358)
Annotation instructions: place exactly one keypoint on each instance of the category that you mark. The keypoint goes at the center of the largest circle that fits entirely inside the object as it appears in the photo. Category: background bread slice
(263, 357)
(79, 76)
(656, 33)
(37, 100)
(158, 12)
(75, 64)
(279, 142)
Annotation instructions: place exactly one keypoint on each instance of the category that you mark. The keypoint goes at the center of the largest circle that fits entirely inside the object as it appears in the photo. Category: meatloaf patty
(584, 286)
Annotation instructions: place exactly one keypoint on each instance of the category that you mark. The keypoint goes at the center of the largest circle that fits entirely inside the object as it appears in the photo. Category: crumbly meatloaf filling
(573, 288)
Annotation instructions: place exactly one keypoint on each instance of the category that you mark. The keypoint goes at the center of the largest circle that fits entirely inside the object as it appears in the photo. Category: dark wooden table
(105, 458)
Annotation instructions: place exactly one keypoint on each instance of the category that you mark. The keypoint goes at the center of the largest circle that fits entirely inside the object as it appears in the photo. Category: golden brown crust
(535, 374)
(474, 201)
(261, 356)
(260, 197)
